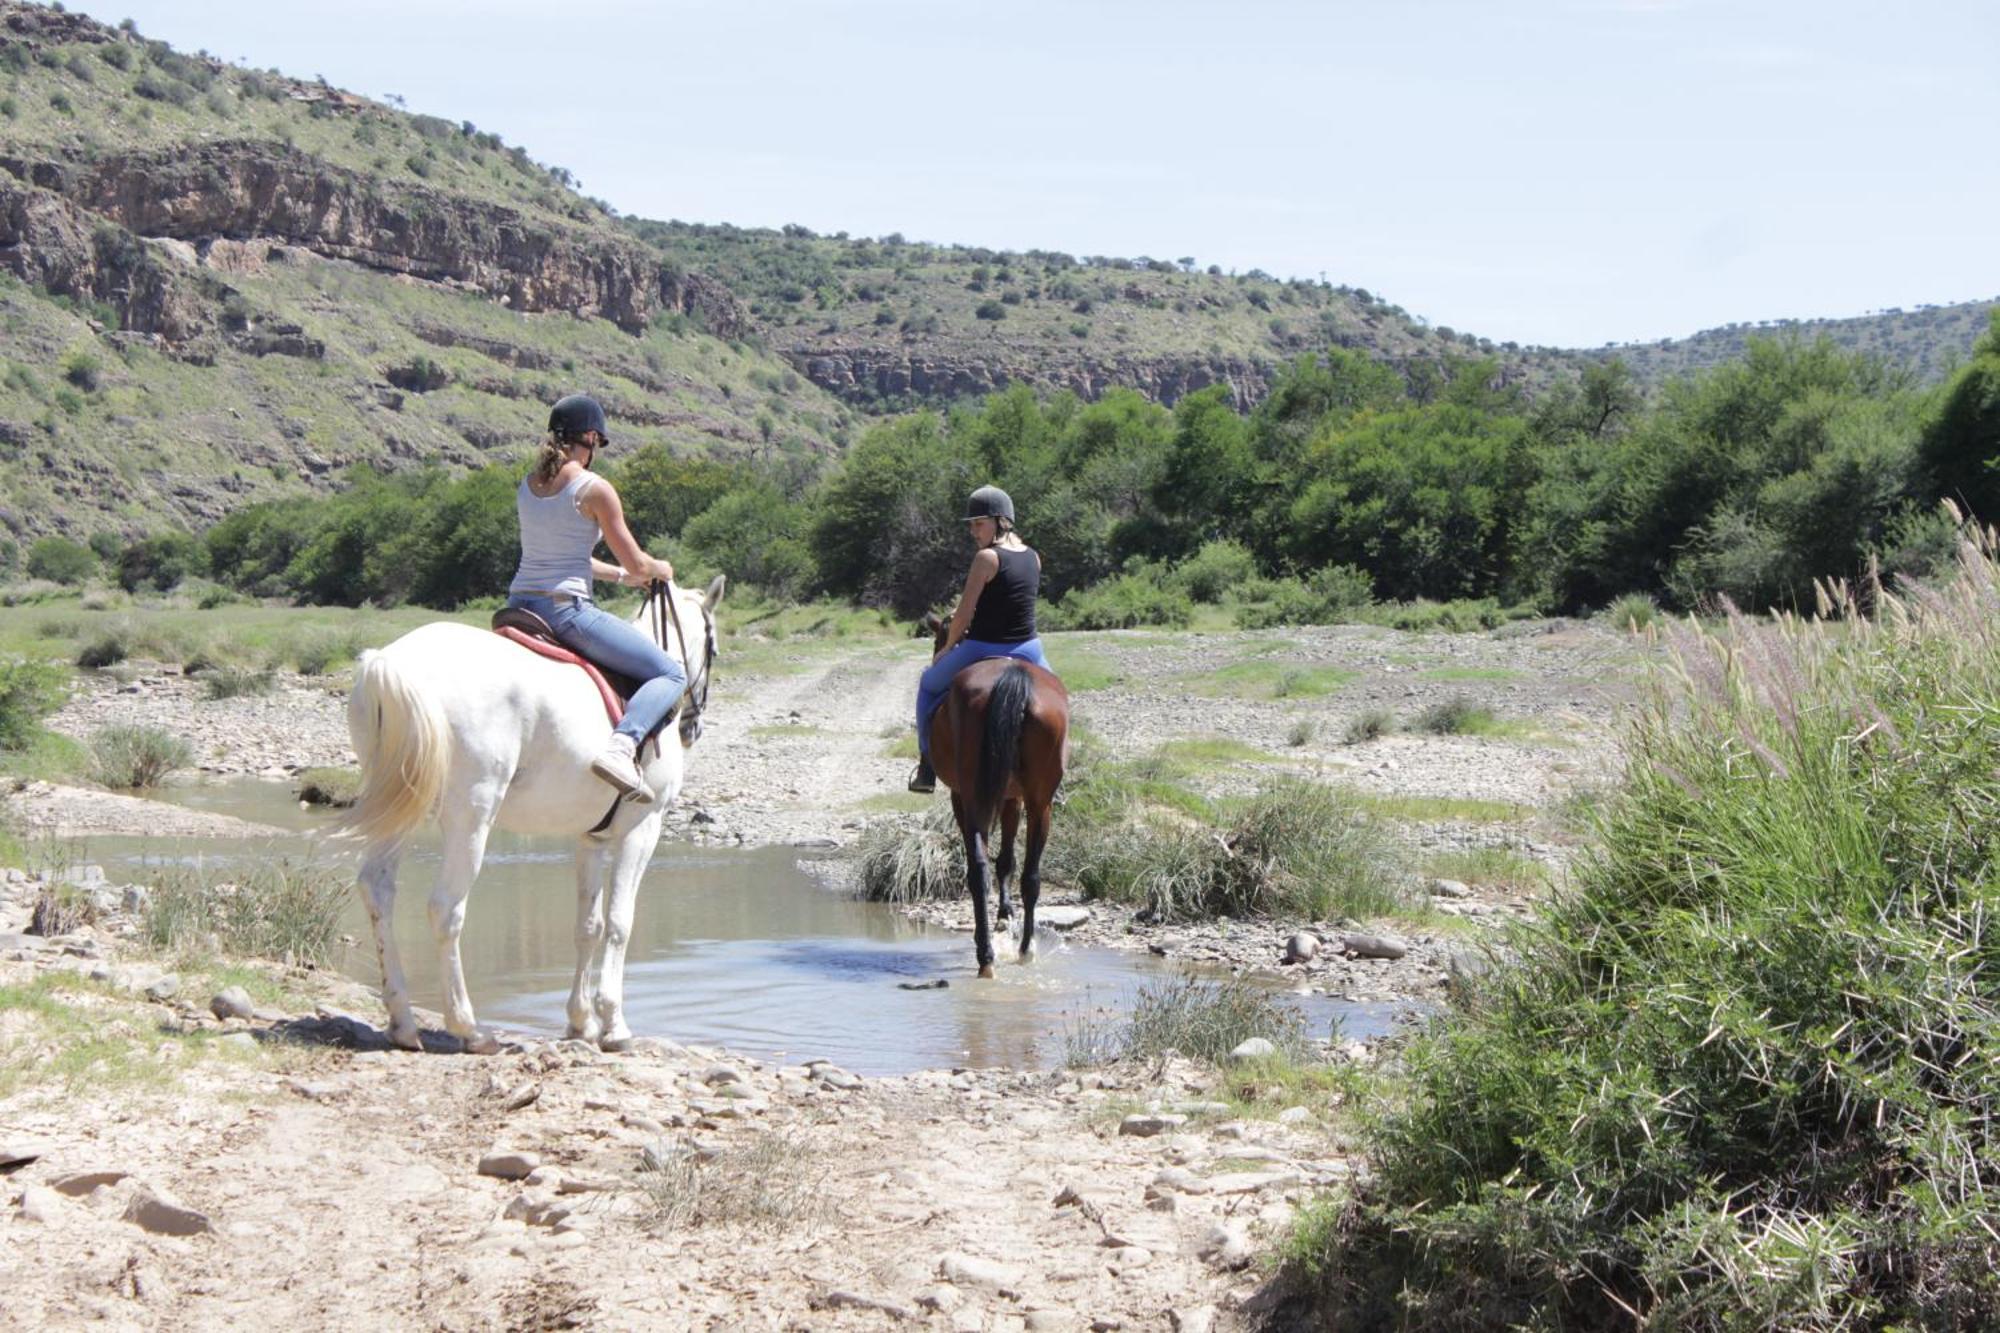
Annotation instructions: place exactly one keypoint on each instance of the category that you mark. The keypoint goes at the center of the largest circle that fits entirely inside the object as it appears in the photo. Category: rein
(692, 702)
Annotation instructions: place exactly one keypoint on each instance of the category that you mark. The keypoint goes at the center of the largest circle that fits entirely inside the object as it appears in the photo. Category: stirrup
(924, 780)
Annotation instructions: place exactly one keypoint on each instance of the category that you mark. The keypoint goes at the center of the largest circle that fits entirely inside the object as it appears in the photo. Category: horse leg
(628, 863)
(593, 866)
(975, 878)
(378, 891)
(1003, 869)
(464, 825)
(1031, 874)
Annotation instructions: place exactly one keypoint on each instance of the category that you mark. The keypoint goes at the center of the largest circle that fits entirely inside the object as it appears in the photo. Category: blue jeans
(937, 676)
(617, 646)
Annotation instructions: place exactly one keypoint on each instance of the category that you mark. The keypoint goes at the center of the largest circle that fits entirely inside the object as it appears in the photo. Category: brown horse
(999, 741)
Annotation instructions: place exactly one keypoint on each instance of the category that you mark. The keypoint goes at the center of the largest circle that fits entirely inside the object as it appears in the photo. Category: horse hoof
(986, 971)
(617, 1044)
(482, 1043)
(409, 1039)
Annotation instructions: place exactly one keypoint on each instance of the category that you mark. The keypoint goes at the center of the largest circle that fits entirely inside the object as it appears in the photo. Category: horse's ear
(713, 597)
(929, 624)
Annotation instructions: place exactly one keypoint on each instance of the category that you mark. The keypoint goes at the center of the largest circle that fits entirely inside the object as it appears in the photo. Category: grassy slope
(164, 440)
(818, 293)
(1930, 341)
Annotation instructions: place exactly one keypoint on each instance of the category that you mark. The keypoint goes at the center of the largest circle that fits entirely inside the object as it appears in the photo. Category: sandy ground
(324, 1182)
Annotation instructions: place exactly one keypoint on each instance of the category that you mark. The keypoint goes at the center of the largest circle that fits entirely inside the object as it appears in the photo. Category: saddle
(533, 633)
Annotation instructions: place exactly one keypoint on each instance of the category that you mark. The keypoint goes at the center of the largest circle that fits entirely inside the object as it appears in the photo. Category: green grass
(1082, 669)
(1472, 673)
(903, 747)
(1741, 1073)
(283, 910)
(903, 802)
(1263, 678)
(1489, 867)
(1433, 808)
(337, 787)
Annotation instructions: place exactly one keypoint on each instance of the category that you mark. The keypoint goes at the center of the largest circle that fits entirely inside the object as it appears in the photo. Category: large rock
(964, 1270)
(1061, 918)
(1374, 946)
(1250, 1049)
(509, 1165)
(232, 1002)
(1225, 1245)
(1302, 947)
(20, 1152)
(162, 1216)
(1144, 1126)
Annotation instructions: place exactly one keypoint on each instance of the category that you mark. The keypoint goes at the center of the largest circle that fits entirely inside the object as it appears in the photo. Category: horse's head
(683, 623)
(936, 626)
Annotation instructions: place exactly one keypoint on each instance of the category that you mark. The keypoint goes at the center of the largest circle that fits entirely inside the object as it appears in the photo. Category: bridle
(694, 699)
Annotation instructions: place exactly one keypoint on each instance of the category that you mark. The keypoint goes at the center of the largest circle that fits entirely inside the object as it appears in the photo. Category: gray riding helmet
(989, 502)
(571, 417)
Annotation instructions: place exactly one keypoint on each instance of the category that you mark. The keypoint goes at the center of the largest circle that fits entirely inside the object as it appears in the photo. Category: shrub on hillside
(60, 560)
(161, 561)
(29, 692)
(1746, 1074)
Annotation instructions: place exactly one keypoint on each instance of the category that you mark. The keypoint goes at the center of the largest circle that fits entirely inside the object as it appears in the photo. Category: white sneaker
(616, 766)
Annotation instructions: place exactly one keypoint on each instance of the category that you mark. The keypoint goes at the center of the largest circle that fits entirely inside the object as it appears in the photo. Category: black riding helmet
(989, 502)
(572, 417)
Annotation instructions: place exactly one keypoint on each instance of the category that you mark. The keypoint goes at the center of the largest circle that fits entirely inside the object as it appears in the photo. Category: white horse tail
(401, 739)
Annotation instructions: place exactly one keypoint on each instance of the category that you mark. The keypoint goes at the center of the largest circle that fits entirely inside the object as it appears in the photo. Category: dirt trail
(335, 1188)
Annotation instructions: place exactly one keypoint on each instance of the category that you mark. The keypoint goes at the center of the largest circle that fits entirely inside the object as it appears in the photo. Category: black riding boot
(925, 778)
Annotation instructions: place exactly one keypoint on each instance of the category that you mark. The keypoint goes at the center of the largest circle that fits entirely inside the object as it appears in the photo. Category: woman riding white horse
(469, 725)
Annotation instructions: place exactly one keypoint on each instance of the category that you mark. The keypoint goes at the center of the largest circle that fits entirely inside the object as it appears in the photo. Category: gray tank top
(556, 540)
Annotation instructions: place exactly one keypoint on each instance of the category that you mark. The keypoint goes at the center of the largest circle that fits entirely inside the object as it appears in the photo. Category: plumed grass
(134, 757)
(282, 910)
(1746, 1074)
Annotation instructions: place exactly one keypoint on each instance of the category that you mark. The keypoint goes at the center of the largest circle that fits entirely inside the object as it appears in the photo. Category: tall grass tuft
(913, 861)
(231, 681)
(133, 756)
(1746, 1074)
(284, 910)
(1368, 725)
(1297, 849)
(1456, 715)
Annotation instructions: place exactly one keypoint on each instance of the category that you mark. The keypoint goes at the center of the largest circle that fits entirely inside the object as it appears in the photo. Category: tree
(1960, 452)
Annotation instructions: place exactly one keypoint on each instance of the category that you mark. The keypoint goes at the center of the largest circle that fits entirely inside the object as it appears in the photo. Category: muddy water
(741, 948)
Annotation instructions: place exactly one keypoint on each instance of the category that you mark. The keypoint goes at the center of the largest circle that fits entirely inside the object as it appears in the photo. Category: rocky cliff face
(257, 190)
(49, 242)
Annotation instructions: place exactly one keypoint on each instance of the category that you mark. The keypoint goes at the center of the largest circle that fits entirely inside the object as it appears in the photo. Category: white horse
(464, 723)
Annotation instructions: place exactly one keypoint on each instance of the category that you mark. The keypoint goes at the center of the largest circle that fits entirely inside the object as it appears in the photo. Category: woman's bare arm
(601, 503)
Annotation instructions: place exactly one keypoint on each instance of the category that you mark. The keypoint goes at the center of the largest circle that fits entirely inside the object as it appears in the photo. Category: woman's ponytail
(549, 458)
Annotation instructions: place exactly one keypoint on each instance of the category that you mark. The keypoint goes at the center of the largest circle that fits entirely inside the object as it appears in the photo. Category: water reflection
(742, 948)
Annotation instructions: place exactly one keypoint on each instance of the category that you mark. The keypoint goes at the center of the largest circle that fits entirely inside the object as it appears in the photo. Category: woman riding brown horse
(999, 742)
(992, 720)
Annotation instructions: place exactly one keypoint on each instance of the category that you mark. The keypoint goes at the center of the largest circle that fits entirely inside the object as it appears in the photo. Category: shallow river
(734, 947)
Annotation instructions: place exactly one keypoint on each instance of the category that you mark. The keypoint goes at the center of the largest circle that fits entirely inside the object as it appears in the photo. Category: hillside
(1929, 341)
(223, 284)
(886, 323)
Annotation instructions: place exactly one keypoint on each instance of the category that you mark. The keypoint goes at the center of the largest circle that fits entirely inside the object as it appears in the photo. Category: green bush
(160, 562)
(1296, 850)
(1456, 715)
(29, 692)
(136, 757)
(1369, 724)
(1328, 596)
(112, 645)
(1632, 612)
(1218, 569)
(1206, 1020)
(60, 560)
(1746, 1073)
(335, 787)
(229, 681)
(1125, 602)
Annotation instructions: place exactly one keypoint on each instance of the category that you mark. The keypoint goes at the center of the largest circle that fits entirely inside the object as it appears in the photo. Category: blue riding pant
(937, 677)
(617, 646)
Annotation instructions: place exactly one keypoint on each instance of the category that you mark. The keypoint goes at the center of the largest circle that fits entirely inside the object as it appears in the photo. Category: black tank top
(1006, 610)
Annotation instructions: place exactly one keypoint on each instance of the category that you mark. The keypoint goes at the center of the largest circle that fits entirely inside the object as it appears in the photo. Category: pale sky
(1567, 172)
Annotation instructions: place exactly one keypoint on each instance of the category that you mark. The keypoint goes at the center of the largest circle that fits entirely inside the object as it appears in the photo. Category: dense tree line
(1352, 480)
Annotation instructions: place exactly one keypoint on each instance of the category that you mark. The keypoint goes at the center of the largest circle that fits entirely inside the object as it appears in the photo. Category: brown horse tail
(1000, 750)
